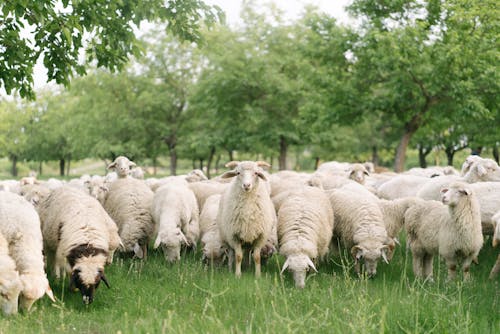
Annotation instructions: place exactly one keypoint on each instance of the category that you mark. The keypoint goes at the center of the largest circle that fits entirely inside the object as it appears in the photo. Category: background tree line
(418, 74)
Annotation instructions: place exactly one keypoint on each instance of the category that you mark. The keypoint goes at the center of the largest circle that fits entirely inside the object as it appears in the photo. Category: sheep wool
(10, 284)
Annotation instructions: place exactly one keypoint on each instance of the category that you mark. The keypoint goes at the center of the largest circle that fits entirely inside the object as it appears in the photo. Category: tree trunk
(217, 162)
(230, 154)
(283, 151)
(62, 164)
(423, 152)
(316, 163)
(450, 153)
(495, 153)
(40, 165)
(201, 164)
(399, 160)
(209, 160)
(173, 161)
(13, 171)
(155, 164)
(68, 165)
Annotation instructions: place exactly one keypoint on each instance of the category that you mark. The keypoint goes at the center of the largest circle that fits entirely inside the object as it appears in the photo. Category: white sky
(292, 8)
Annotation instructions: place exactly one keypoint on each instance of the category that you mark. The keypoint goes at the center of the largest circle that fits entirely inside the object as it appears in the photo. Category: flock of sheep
(244, 215)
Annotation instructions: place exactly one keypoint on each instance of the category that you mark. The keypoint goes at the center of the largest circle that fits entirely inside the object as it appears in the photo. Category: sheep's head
(214, 253)
(171, 243)
(247, 172)
(453, 194)
(122, 166)
(469, 161)
(35, 286)
(196, 175)
(369, 254)
(357, 172)
(299, 265)
(34, 193)
(10, 288)
(87, 270)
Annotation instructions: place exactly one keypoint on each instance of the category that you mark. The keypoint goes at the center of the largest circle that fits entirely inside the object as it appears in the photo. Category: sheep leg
(427, 267)
(418, 266)
(256, 260)
(238, 254)
(466, 267)
(495, 269)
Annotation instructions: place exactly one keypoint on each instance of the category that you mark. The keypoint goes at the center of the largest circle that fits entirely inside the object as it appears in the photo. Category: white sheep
(20, 225)
(360, 228)
(204, 189)
(401, 186)
(495, 241)
(10, 284)
(214, 250)
(305, 227)
(176, 216)
(129, 202)
(451, 229)
(122, 166)
(246, 216)
(79, 238)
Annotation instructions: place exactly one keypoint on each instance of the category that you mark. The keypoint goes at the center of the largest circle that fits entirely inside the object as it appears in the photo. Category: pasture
(190, 297)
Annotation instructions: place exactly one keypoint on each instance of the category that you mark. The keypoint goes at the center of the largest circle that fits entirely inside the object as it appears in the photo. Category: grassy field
(189, 297)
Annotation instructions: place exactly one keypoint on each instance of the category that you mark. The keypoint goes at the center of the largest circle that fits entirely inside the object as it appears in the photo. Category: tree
(59, 31)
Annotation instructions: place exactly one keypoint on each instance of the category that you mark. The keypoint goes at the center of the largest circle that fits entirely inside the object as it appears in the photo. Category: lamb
(359, 226)
(495, 241)
(176, 216)
(129, 202)
(451, 229)
(79, 238)
(246, 216)
(122, 166)
(20, 225)
(305, 226)
(10, 284)
(214, 251)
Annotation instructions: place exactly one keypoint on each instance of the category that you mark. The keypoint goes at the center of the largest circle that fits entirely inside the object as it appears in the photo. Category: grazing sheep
(78, 238)
(246, 216)
(451, 229)
(10, 284)
(214, 250)
(20, 225)
(359, 227)
(122, 166)
(129, 202)
(176, 216)
(394, 213)
(495, 241)
(305, 226)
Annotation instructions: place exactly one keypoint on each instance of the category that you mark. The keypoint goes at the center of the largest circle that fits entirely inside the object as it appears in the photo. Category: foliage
(59, 31)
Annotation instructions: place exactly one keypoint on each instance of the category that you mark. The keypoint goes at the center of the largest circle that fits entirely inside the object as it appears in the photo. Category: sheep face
(171, 243)
(357, 173)
(122, 166)
(86, 278)
(369, 254)
(34, 287)
(452, 195)
(299, 265)
(10, 288)
(247, 173)
(214, 254)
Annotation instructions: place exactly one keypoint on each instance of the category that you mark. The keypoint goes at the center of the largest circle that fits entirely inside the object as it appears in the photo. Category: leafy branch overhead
(64, 32)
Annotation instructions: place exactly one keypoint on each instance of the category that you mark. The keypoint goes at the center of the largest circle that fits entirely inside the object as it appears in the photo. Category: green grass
(189, 297)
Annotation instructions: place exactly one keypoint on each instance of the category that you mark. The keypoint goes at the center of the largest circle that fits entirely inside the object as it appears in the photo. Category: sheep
(481, 170)
(394, 213)
(246, 216)
(79, 238)
(495, 241)
(122, 166)
(176, 216)
(34, 193)
(129, 202)
(359, 226)
(20, 225)
(450, 228)
(305, 227)
(401, 186)
(204, 189)
(195, 175)
(10, 284)
(214, 251)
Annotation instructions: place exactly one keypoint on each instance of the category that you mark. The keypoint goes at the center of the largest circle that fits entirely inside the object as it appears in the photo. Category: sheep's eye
(5, 296)
(129, 167)
(238, 173)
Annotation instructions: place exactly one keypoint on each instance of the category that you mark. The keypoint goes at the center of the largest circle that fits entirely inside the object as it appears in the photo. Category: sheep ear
(481, 171)
(285, 265)
(49, 293)
(311, 264)
(262, 176)
(132, 164)
(138, 251)
(232, 164)
(111, 166)
(157, 243)
(366, 173)
(357, 252)
(383, 252)
(263, 164)
(104, 279)
(465, 191)
(229, 174)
